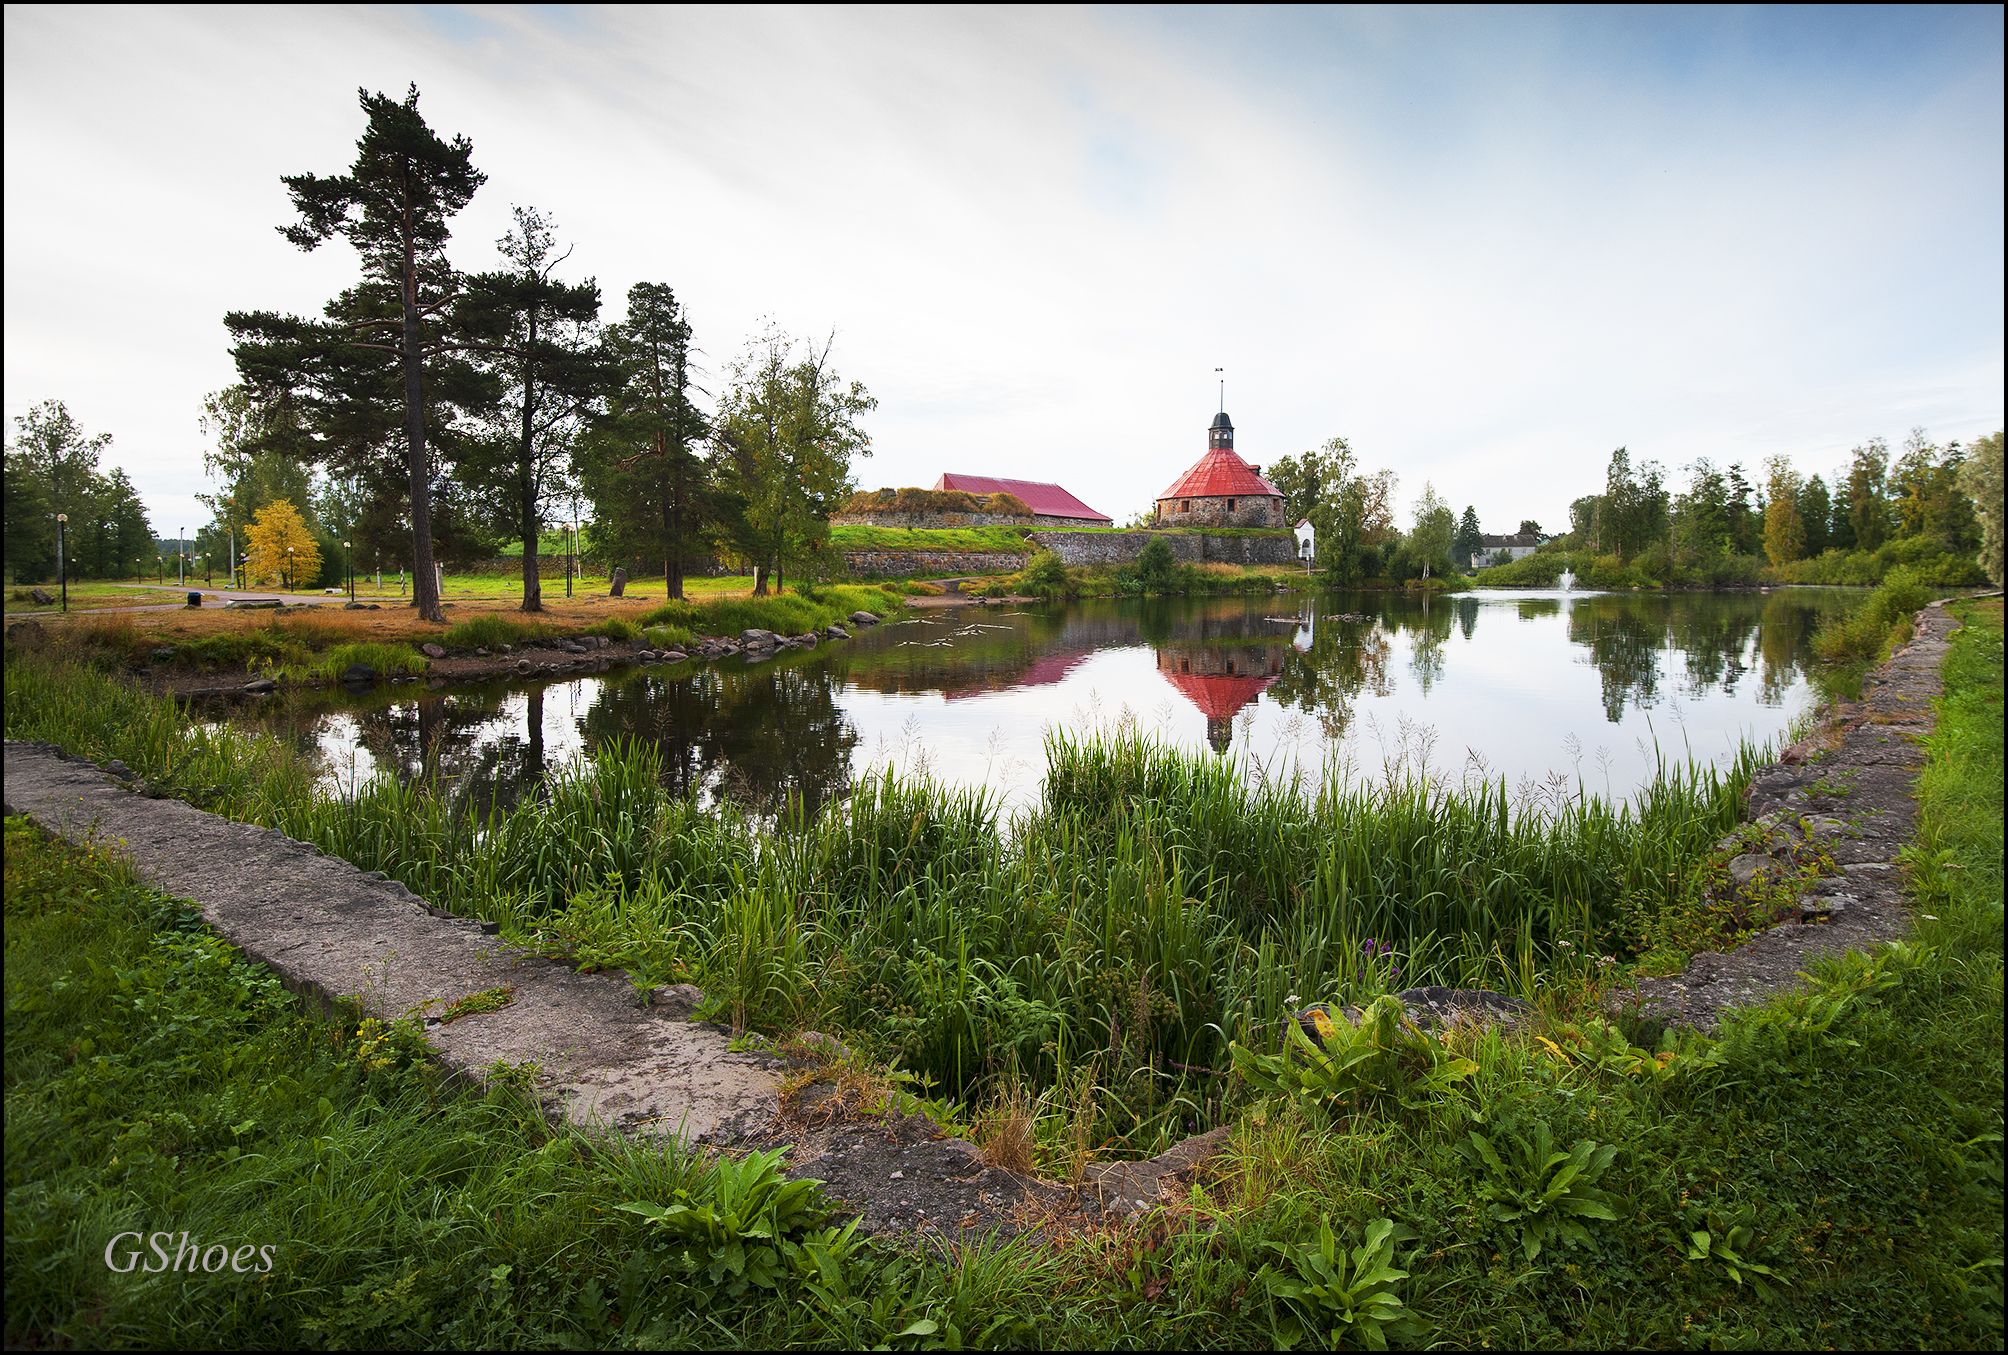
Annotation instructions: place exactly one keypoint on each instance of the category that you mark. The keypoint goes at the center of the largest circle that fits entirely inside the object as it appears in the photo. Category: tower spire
(1223, 389)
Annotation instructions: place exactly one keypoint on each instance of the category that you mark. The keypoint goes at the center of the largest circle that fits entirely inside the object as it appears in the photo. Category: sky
(1485, 246)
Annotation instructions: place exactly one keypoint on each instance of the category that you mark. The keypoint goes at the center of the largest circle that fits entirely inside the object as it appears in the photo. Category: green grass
(807, 607)
(1010, 540)
(1878, 626)
(1827, 1173)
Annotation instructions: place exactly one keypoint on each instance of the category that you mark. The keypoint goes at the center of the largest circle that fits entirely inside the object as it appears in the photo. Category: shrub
(1047, 577)
(1879, 624)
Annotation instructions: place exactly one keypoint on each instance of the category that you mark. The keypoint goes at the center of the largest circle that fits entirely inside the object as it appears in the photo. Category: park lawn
(89, 595)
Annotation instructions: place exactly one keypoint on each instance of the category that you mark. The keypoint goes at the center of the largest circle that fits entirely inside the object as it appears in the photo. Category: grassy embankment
(316, 644)
(1828, 1172)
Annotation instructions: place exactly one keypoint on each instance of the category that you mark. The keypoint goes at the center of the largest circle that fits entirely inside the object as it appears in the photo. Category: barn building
(1051, 505)
(1221, 490)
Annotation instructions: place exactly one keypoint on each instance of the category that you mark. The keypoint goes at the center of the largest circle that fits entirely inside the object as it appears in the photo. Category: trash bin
(195, 599)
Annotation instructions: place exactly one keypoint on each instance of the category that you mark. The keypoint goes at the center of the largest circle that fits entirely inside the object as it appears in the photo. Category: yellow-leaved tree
(277, 527)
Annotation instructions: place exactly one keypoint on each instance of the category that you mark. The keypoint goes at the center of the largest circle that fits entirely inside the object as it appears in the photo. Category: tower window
(1230, 505)
(1185, 505)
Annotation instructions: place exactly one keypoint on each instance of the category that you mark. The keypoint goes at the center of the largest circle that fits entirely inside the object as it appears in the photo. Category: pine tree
(536, 336)
(393, 206)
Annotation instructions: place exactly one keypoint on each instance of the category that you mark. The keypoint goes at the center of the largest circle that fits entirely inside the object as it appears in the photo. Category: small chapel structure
(1221, 490)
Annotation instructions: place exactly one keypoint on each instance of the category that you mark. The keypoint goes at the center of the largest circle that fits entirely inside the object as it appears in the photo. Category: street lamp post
(289, 569)
(160, 569)
(62, 563)
(349, 566)
(181, 559)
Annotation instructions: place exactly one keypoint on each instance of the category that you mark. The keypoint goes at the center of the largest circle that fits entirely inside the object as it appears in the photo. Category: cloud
(1487, 247)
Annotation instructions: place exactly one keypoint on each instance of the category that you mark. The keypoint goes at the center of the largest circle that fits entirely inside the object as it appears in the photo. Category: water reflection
(1511, 681)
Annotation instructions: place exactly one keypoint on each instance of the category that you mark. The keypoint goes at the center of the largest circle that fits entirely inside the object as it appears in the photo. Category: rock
(836, 632)
(864, 619)
(618, 587)
(41, 597)
(119, 769)
(259, 686)
(358, 675)
(1747, 867)
(524, 665)
(674, 656)
(480, 653)
(432, 651)
(678, 999)
(1432, 1008)
(164, 652)
(807, 639)
(753, 637)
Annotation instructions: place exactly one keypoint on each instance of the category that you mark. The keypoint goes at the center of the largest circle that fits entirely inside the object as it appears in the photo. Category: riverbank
(217, 653)
(1699, 1215)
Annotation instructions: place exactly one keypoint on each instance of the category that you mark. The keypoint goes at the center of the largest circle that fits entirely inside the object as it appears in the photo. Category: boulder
(1746, 868)
(864, 619)
(753, 637)
(432, 651)
(259, 686)
(618, 586)
(358, 675)
(41, 597)
(836, 632)
(673, 656)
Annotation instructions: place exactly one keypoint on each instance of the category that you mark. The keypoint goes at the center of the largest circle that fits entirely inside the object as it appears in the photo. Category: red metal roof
(1047, 500)
(1219, 472)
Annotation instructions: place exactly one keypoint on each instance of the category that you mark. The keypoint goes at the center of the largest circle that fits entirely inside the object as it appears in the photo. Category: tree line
(52, 466)
(448, 412)
(1934, 509)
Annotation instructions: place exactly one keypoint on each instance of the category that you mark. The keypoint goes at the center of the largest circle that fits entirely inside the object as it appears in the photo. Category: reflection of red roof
(1051, 668)
(1219, 472)
(1047, 500)
(1218, 697)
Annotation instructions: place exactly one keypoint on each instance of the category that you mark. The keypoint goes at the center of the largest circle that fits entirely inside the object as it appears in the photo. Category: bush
(1047, 577)
(1881, 623)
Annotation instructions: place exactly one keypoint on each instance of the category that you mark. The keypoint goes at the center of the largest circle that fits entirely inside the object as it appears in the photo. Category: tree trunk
(759, 581)
(424, 584)
(526, 469)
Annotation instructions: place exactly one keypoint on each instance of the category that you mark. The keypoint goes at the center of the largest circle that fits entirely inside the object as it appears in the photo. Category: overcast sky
(1487, 247)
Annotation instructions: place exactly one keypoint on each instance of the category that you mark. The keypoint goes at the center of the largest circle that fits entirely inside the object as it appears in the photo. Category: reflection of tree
(1428, 630)
(756, 734)
(1467, 617)
(1624, 645)
(1627, 635)
(1532, 609)
(1345, 658)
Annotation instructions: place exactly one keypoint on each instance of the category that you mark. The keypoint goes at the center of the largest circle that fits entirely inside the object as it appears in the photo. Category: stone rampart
(1119, 548)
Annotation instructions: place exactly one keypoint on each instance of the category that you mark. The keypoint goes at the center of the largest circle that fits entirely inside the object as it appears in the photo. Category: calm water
(1535, 688)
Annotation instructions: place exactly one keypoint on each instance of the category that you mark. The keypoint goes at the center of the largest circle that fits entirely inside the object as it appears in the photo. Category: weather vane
(1223, 390)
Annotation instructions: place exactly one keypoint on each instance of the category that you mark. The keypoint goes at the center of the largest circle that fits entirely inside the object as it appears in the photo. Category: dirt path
(1848, 789)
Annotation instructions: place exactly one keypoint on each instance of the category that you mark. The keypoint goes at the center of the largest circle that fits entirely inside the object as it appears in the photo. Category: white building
(1307, 543)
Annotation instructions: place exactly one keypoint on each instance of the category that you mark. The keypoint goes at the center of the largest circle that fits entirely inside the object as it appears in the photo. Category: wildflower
(1563, 945)
(1606, 961)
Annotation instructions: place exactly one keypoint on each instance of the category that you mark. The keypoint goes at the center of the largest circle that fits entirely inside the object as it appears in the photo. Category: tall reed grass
(1153, 907)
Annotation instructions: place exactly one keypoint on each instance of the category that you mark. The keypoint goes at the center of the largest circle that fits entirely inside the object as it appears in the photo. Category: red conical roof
(1219, 697)
(1218, 473)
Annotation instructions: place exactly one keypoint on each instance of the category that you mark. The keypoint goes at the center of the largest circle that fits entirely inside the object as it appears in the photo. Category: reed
(1153, 907)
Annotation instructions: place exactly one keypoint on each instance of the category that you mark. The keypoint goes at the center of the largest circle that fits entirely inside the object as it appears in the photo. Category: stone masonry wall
(926, 521)
(905, 564)
(1119, 548)
(1248, 511)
